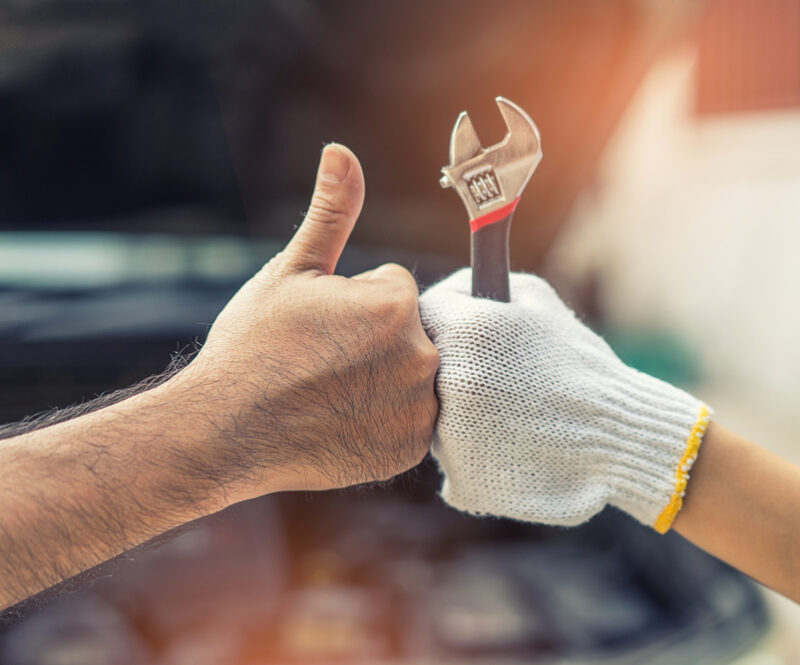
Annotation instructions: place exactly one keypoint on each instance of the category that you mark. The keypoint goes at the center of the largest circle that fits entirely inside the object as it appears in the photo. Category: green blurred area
(659, 353)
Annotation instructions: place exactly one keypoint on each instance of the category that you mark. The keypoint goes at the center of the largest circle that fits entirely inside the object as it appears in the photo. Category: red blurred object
(748, 56)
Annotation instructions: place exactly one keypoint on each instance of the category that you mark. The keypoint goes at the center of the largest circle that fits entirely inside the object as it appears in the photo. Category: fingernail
(335, 164)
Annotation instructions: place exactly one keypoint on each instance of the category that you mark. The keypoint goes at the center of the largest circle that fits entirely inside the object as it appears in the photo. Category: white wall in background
(694, 225)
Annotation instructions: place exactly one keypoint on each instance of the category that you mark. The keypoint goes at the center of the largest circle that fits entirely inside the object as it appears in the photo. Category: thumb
(335, 206)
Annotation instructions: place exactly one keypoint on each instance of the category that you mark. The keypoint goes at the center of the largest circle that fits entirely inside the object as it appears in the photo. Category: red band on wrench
(492, 217)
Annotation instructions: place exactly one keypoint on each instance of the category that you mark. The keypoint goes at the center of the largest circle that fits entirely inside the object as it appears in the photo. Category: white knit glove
(540, 421)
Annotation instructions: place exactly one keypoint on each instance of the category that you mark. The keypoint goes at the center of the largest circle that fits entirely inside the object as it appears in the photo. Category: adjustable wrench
(490, 182)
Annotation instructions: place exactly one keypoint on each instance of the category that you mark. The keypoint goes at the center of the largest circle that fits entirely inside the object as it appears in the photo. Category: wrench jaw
(490, 182)
(487, 179)
(464, 141)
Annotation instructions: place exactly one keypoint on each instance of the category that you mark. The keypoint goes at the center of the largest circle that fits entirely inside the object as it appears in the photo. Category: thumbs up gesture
(309, 380)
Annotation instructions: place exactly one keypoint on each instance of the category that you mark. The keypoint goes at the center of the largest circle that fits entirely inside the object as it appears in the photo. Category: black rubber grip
(490, 265)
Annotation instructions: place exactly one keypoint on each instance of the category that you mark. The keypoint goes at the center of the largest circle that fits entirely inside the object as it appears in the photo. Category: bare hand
(312, 380)
(307, 381)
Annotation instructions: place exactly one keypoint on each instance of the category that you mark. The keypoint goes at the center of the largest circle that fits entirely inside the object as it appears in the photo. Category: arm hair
(16, 613)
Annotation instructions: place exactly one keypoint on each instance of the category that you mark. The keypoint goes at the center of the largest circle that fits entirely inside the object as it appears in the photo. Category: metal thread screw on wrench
(490, 182)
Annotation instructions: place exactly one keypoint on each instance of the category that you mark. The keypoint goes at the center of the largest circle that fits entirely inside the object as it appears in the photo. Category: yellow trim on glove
(667, 516)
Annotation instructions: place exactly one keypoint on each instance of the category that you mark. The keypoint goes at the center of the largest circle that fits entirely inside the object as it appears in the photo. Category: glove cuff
(667, 516)
(653, 448)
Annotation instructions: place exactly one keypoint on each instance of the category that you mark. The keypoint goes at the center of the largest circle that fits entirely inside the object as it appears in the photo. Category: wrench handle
(489, 253)
(489, 258)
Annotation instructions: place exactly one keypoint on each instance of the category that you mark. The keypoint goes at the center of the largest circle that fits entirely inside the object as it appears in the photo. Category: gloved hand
(540, 421)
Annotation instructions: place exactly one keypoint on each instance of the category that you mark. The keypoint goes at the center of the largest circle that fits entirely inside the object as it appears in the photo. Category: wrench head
(489, 178)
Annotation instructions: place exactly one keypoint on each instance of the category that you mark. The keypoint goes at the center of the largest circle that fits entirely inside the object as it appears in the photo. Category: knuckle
(433, 408)
(397, 268)
(429, 357)
(419, 453)
(400, 277)
(429, 411)
(398, 306)
(407, 299)
(422, 443)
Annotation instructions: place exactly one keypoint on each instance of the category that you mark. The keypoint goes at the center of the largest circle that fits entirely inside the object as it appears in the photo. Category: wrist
(174, 435)
(216, 456)
(653, 432)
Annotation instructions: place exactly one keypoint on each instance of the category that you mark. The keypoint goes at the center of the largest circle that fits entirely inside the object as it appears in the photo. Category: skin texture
(307, 381)
(743, 506)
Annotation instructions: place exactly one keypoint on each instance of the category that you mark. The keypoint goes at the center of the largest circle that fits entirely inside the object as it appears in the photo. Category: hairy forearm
(79, 492)
(306, 381)
(743, 506)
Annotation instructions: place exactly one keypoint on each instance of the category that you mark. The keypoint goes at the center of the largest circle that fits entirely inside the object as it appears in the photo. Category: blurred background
(153, 154)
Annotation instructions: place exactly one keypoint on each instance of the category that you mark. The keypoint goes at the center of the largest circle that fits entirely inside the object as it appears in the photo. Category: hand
(540, 421)
(307, 381)
(311, 380)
